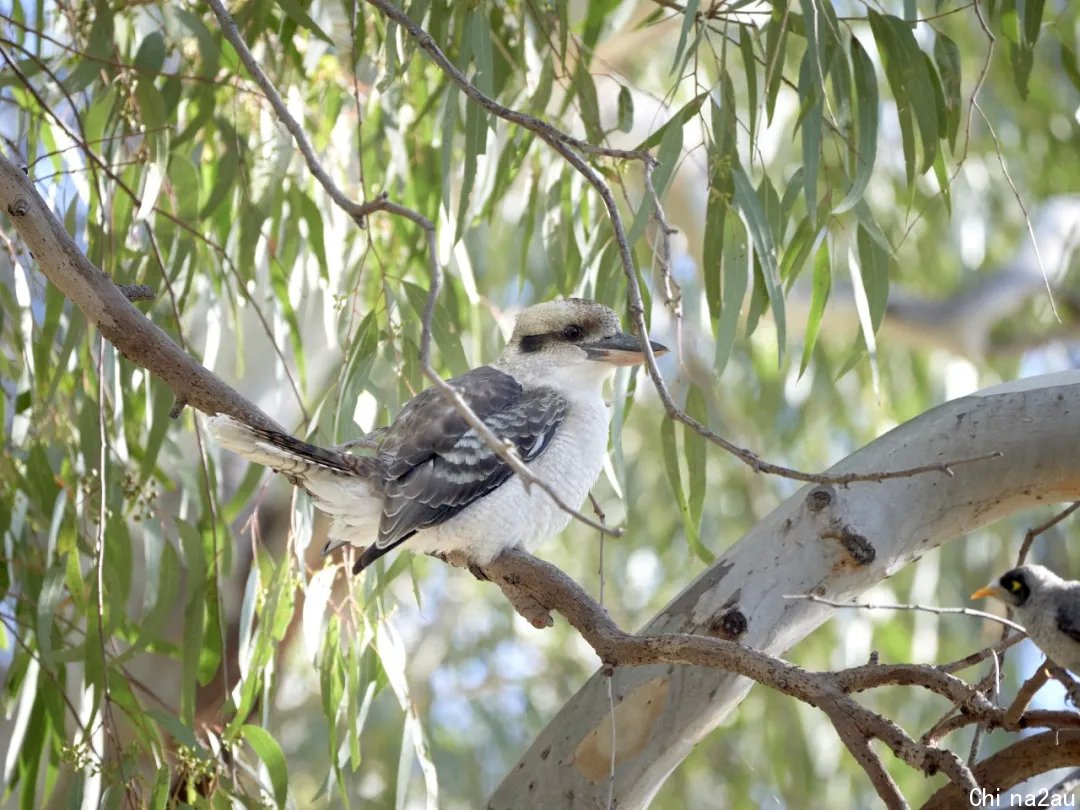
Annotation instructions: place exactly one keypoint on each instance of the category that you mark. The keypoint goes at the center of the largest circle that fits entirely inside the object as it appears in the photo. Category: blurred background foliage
(850, 252)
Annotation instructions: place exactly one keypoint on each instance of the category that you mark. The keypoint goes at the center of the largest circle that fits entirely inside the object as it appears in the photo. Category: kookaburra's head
(572, 343)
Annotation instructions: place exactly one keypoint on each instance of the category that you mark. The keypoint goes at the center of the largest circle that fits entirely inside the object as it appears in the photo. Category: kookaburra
(1047, 606)
(433, 483)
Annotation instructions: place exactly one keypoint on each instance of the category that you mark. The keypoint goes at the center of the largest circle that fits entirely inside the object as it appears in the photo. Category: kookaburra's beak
(621, 349)
(983, 593)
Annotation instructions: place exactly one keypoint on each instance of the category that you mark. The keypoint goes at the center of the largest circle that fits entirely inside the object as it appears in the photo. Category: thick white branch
(835, 542)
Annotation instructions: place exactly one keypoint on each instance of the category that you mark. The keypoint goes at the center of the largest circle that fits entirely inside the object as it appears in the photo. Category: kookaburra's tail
(297, 460)
(346, 487)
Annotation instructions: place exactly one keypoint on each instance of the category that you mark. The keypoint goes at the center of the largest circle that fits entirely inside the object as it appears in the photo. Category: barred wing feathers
(434, 464)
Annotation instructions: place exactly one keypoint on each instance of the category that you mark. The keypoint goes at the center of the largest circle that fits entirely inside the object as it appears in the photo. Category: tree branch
(528, 580)
(106, 306)
(1017, 763)
(834, 542)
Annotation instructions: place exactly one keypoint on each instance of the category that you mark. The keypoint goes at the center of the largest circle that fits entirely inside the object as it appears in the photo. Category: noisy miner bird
(1048, 607)
(433, 482)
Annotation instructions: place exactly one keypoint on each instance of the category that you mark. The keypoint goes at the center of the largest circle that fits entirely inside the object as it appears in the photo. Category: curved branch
(1020, 761)
(533, 582)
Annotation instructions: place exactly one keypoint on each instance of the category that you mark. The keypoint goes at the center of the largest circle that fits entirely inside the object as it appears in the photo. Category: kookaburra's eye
(572, 332)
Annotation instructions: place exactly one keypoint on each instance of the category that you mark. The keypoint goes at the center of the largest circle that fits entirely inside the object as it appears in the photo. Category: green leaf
(312, 217)
(1023, 60)
(209, 52)
(674, 475)
(1069, 65)
(179, 731)
(1029, 14)
(749, 204)
(798, 249)
(479, 33)
(875, 262)
(942, 175)
(99, 44)
(695, 450)
(723, 156)
(589, 106)
(268, 750)
(222, 173)
(540, 98)
(678, 121)
(598, 12)
(759, 299)
(736, 279)
(159, 796)
(667, 158)
(812, 119)
(867, 221)
(151, 55)
(775, 49)
(713, 247)
(866, 325)
(907, 72)
(947, 58)
(298, 15)
(746, 50)
(52, 591)
(475, 145)
(866, 152)
(818, 298)
(689, 15)
(625, 109)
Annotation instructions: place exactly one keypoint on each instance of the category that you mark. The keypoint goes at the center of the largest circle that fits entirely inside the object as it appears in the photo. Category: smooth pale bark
(818, 541)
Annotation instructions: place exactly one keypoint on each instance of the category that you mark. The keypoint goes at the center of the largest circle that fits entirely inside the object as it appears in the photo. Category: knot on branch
(137, 292)
(819, 497)
(731, 624)
(19, 207)
(858, 548)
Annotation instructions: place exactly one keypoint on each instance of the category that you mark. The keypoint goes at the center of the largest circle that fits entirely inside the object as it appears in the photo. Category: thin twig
(979, 656)
(1023, 208)
(1042, 528)
(923, 608)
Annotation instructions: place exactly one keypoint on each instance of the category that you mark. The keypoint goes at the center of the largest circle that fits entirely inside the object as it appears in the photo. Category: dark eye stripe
(533, 343)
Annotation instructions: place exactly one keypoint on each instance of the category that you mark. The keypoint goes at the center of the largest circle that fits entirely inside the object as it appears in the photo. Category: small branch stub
(19, 207)
(819, 497)
(137, 292)
(858, 547)
(731, 624)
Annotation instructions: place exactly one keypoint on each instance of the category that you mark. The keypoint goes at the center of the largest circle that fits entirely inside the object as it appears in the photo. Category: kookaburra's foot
(456, 558)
